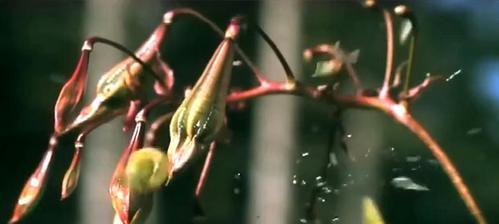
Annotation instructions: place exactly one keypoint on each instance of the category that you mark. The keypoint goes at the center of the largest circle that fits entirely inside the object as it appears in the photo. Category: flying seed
(407, 183)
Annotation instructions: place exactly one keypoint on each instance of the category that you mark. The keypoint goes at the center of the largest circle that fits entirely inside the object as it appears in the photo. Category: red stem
(204, 172)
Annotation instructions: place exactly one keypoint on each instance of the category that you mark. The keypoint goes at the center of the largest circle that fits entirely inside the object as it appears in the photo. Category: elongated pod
(200, 117)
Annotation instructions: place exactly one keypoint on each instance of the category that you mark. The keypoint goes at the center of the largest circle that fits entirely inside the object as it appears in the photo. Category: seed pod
(35, 186)
(72, 175)
(201, 115)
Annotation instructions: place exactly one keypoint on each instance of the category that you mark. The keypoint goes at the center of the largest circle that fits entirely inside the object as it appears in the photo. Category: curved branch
(397, 111)
(417, 129)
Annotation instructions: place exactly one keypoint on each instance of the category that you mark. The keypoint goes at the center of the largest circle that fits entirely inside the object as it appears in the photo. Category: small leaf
(72, 175)
(371, 214)
(327, 68)
(33, 189)
(406, 30)
(353, 56)
(337, 45)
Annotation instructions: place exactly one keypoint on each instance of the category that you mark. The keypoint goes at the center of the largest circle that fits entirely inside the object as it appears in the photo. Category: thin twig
(406, 13)
(155, 126)
(410, 62)
(290, 77)
(204, 172)
(122, 48)
(416, 91)
(398, 74)
(353, 75)
(258, 74)
(389, 54)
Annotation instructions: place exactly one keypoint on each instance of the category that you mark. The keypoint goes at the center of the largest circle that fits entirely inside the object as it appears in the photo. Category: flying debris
(407, 183)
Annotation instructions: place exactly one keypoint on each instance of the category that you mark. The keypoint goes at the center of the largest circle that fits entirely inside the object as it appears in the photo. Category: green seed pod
(200, 117)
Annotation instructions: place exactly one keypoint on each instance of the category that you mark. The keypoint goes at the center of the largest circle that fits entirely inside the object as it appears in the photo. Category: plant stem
(417, 129)
(290, 77)
(410, 61)
(397, 111)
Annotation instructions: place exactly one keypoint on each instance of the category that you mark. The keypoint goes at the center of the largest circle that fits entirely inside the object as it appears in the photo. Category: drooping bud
(138, 174)
(72, 175)
(132, 188)
(118, 189)
(34, 187)
(201, 115)
(72, 92)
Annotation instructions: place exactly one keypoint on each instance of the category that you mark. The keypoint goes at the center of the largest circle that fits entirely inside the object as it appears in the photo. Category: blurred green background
(40, 42)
